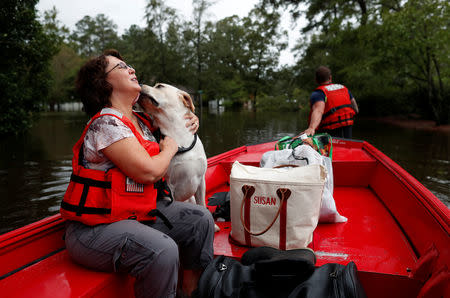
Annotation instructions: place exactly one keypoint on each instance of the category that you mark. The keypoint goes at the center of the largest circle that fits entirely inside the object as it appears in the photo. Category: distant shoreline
(418, 124)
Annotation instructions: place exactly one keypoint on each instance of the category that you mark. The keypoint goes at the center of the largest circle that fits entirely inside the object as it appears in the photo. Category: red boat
(397, 233)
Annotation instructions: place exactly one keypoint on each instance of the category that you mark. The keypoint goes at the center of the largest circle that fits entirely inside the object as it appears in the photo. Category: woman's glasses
(120, 65)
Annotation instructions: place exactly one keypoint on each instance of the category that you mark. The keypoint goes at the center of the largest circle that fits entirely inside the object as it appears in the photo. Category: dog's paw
(216, 228)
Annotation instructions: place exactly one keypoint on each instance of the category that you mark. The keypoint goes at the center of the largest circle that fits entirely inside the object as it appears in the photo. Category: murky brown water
(35, 169)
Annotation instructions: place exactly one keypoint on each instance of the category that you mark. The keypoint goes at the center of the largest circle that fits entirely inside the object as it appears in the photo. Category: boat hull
(397, 233)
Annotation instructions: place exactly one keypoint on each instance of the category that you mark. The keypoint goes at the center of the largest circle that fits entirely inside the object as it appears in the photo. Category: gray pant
(150, 252)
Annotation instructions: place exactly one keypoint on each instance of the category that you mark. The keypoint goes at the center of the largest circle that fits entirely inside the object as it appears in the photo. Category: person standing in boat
(118, 215)
(332, 107)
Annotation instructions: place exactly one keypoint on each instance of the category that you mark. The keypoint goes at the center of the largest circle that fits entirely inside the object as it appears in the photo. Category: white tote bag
(277, 207)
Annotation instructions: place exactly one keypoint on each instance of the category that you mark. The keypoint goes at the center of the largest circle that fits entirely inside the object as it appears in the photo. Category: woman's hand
(168, 144)
(132, 159)
(192, 122)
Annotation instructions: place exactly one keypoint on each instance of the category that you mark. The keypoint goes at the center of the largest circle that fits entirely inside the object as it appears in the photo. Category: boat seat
(58, 276)
(351, 166)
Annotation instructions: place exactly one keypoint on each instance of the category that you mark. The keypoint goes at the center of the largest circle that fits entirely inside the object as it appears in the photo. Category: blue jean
(150, 252)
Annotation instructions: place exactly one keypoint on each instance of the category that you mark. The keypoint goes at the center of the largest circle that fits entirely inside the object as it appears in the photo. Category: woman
(116, 190)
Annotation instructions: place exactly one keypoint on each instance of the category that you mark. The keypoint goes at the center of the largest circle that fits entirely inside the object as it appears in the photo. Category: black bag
(264, 272)
(280, 270)
(222, 202)
(225, 277)
(331, 280)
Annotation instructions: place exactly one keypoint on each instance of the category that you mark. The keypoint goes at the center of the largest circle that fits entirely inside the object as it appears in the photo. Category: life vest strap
(324, 126)
(334, 109)
(158, 213)
(83, 209)
(163, 190)
(90, 182)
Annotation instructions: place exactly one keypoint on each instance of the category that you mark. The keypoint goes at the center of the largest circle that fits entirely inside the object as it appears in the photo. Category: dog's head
(164, 97)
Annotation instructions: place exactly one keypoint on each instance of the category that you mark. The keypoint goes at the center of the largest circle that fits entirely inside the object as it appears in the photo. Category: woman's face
(121, 76)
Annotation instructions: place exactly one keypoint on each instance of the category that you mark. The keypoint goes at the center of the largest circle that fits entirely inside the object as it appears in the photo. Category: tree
(93, 35)
(393, 57)
(158, 17)
(64, 67)
(263, 43)
(26, 51)
(200, 8)
(53, 27)
(225, 48)
(180, 55)
(64, 64)
(135, 46)
(321, 14)
(416, 41)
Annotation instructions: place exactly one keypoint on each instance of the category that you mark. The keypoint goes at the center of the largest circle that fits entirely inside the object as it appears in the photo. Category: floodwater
(35, 168)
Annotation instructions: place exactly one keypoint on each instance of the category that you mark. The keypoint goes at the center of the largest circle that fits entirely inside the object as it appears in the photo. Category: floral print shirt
(103, 132)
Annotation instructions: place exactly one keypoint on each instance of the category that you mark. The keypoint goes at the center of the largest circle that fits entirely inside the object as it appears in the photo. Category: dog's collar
(183, 149)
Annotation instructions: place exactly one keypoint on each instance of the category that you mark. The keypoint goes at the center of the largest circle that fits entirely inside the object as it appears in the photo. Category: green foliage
(64, 68)
(277, 102)
(394, 58)
(26, 51)
(263, 42)
(418, 43)
(64, 65)
(53, 27)
(225, 48)
(93, 35)
(392, 54)
(301, 97)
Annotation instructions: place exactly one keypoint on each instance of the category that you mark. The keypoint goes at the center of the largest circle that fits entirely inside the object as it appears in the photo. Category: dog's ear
(187, 101)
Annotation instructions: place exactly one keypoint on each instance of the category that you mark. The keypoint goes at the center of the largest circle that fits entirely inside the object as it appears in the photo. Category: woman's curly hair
(91, 84)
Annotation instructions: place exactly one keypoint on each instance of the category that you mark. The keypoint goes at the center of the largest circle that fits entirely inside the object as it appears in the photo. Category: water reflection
(35, 169)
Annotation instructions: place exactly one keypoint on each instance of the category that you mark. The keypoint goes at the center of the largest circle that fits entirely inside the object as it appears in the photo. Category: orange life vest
(338, 108)
(95, 196)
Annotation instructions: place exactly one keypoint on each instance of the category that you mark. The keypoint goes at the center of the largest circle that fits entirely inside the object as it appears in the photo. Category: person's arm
(316, 117)
(135, 162)
(354, 105)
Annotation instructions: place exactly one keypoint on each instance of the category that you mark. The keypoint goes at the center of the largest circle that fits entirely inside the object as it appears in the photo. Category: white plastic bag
(304, 155)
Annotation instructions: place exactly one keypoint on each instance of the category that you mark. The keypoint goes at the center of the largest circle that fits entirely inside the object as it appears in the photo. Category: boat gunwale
(428, 200)
(29, 232)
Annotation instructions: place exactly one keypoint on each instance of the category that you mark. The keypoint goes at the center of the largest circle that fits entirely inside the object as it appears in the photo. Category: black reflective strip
(84, 210)
(333, 110)
(323, 126)
(83, 199)
(32, 263)
(158, 213)
(90, 182)
(80, 209)
(162, 190)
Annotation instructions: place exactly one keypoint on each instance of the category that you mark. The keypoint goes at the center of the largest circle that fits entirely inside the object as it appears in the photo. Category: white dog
(186, 173)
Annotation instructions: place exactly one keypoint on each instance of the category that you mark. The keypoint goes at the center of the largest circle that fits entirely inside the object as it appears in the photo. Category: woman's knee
(168, 254)
(157, 275)
(160, 254)
(206, 223)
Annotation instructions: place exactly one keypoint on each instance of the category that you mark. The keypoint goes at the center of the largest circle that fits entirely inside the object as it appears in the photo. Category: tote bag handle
(288, 166)
(282, 193)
